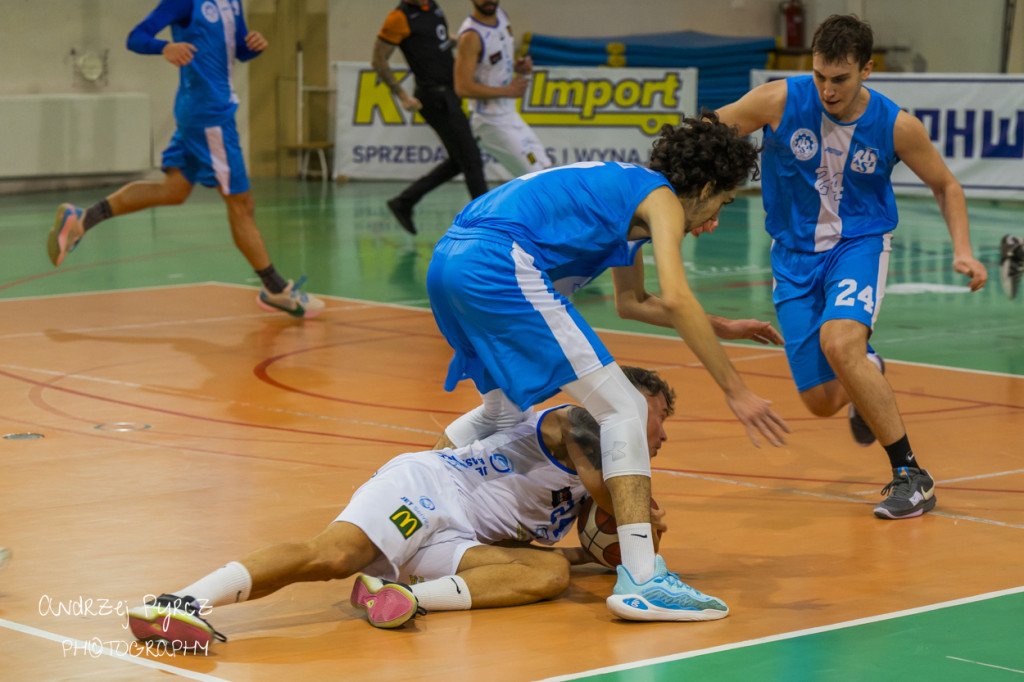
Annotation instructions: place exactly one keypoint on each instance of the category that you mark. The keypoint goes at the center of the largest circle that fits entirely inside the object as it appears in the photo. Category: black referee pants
(442, 110)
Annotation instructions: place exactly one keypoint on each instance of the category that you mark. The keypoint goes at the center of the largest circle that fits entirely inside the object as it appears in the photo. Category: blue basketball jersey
(217, 29)
(823, 180)
(572, 219)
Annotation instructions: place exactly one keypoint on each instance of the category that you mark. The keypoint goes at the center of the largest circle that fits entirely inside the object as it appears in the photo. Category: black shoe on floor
(403, 215)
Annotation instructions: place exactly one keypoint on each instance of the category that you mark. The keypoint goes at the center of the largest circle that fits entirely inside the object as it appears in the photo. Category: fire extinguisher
(793, 11)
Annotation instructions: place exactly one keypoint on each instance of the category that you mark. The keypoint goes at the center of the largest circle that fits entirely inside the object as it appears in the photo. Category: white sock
(229, 584)
(444, 594)
(636, 547)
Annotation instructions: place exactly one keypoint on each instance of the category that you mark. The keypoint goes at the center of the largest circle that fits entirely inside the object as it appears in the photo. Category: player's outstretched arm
(912, 145)
(662, 212)
(750, 329)
(762, 106)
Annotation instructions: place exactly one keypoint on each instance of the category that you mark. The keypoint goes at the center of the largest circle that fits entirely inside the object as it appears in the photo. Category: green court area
(977, 641)
(346, 241)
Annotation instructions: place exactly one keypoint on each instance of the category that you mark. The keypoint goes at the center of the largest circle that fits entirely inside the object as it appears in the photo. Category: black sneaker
(1011, 264)
(403, 214)
(911, 492)
(175, 620)
(858, 427)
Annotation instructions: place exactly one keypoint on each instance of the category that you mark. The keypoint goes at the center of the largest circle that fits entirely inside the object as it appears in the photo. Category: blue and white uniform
(424, 510)
(496, 124)
(499, 278)
(831, 212)
(205, 147)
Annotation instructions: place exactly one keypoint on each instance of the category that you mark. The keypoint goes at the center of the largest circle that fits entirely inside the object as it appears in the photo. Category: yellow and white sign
(579, 113)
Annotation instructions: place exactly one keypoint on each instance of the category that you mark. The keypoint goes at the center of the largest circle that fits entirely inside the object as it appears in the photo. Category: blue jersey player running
(207, 37)
(830, 146)
(498, 285)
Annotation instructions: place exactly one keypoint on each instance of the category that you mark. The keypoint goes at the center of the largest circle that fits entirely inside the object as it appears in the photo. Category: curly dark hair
(585, 429)
(700, 151)
(843, 35)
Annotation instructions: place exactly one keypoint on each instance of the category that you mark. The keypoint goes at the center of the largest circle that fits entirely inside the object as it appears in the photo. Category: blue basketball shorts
(209, 155)
(847, 282)
(508, 325)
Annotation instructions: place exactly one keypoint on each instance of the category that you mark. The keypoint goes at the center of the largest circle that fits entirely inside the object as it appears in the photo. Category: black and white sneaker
(911, 492)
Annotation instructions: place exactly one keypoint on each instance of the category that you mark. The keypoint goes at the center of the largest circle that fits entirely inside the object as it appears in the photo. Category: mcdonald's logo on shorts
(405, 521)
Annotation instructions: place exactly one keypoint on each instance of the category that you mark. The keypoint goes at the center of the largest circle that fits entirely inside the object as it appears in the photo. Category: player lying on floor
(430, 520)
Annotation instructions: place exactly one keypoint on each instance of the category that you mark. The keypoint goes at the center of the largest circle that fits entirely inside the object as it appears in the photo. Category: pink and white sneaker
(65, 234)
(387, 604)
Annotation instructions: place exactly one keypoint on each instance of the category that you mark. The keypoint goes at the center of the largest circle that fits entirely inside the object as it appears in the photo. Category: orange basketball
(598, 533)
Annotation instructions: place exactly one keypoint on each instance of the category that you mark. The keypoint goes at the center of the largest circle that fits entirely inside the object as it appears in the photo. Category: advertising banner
(579, 113)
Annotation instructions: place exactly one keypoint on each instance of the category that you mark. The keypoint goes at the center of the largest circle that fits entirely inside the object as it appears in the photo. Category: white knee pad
(621, 410)
(496, 413)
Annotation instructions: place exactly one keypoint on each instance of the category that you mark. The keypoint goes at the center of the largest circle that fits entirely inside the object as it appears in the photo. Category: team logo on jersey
(405, 521)
(500, 463)
(864, 160)
(804, 144)
(494, 58)
(560, 496)
(210, 12)
(427, 503)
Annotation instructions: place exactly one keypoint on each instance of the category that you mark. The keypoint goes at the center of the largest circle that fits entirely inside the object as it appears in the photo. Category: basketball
(598, 533)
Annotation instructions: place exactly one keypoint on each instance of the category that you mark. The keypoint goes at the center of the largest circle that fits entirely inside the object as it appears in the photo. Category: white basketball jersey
(497, 58)
(513, 488)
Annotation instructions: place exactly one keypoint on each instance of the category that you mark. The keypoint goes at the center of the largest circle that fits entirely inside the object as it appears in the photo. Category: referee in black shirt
(419, 29)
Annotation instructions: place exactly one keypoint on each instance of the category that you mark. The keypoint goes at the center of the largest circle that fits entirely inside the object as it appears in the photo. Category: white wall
(35, 50)
(38, 35)
(950, 35)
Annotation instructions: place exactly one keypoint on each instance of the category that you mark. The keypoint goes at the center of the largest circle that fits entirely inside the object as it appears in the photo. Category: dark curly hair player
(702, 151)
(499, 285)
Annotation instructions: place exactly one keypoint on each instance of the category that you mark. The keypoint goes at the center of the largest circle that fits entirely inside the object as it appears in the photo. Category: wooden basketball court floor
(184, 427)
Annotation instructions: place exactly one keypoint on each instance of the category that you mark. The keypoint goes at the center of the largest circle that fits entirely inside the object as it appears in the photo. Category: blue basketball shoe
(663, 597)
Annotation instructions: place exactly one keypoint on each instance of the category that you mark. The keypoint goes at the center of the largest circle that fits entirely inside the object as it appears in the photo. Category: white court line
(94, 648)
(979, 477)
(786, 635)
(987, 665)
(826, 496)
(200, 396)
(405, 306)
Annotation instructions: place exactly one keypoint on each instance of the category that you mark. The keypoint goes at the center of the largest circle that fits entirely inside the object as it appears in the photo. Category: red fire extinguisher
(793, 11)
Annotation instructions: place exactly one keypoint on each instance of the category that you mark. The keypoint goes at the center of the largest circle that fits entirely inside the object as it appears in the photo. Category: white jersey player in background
(430, 518)
(488, 74)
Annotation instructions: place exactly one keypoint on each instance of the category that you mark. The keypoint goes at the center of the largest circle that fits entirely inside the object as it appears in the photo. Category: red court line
(159, 410)
(177, 447)
(261, 372)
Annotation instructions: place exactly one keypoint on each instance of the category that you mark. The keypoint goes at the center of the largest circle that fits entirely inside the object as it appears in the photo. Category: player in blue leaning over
(207, 37)
(499, 283)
